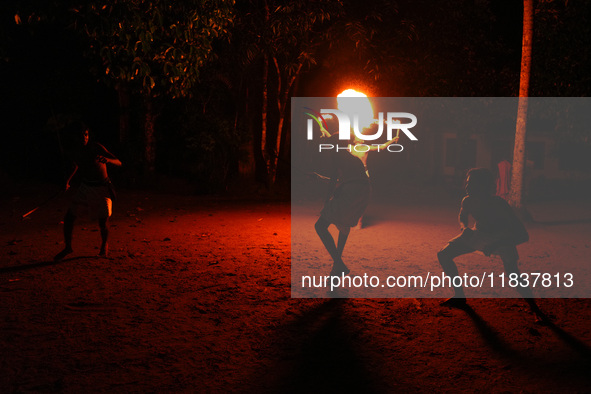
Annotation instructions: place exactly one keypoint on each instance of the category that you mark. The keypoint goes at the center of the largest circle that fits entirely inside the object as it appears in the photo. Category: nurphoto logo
(392, 122)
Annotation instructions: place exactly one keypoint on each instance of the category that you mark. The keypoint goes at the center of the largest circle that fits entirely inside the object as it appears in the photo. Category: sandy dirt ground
(195, 297)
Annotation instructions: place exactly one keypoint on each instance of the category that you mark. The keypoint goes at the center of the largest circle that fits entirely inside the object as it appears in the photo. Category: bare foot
(104, 252)
(62, 254)
(541, 318)
(339, 269)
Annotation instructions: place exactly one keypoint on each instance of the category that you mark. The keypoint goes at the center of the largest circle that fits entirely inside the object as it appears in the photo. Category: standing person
(95, 194)
(497, 231)
(349, 193)
(504, 179)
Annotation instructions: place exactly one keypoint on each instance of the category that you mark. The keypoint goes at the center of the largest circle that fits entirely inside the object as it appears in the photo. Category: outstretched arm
(110, 160)
(331, 188)
(105, 157)
(71, 176)
(324, 132)
(383, 146)
(334, 175)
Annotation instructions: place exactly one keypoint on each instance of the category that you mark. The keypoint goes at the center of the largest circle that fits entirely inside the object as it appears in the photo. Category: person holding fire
(348, 196)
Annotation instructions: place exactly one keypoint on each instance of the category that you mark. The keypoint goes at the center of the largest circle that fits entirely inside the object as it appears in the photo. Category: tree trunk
(265, 106)
(246, 165)
(149, 139)
(264, 110)
(124, 113)
(517, 179)
(282, 101)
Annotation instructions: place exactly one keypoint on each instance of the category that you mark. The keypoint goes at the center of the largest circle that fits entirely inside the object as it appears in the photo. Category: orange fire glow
(352, 102)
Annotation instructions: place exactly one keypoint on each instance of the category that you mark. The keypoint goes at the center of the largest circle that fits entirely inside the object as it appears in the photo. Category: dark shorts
(92, 201)
(348, 203)
(475, 240)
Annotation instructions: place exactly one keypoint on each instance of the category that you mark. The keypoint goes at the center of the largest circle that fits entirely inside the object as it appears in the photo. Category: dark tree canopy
(157, 46)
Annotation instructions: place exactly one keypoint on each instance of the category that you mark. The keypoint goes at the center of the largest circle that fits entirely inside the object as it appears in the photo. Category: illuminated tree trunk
(517, 179)
(265, 105)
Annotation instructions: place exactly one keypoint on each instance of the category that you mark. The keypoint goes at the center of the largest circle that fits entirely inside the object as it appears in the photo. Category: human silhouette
(95, 194)
(348, 197)
(497, 231)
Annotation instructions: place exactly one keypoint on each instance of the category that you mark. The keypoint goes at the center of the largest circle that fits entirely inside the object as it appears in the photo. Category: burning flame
(352, 102)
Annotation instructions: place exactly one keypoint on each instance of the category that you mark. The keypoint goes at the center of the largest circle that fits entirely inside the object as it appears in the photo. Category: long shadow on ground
(317, 354)
(570, 364)
(40, 264)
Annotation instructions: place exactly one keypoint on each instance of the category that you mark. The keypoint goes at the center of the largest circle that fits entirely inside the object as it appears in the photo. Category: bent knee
(508, 254)
(444, 253)
(321, 224)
